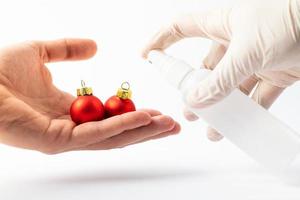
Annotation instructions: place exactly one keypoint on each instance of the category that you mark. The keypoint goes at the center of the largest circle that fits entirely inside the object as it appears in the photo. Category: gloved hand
(256, 41)
(261, 91)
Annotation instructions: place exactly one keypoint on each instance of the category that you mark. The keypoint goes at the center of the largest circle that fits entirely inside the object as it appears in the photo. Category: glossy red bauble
(117, 106)
(86, 108)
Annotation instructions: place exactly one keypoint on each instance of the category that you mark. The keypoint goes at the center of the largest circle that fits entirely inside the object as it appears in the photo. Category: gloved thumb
(236, 65)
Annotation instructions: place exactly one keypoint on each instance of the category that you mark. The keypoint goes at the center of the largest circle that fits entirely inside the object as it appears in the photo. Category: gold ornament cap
(84, 90)
(124, 92)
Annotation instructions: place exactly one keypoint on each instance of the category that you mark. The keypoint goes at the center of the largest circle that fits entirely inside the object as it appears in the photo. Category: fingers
(283, 78)
(66, 49)
(266, 94)
(215, 54)
(212, 134)
(173, 131)
(158, 125)
(63, 135)
(93, 132)
(151, 112)
(247, 86)
(237, 64)
(213, 25)
(176, 129)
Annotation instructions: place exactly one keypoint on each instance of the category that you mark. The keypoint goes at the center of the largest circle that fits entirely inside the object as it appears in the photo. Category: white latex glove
(257, 41)
(264, 93)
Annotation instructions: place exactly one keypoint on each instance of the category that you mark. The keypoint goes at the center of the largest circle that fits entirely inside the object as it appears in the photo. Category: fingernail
(167, 122)
(190, 116)
(213, 135)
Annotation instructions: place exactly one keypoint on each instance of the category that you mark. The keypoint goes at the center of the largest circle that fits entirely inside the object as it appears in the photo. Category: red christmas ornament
(86, 107)
(121, 103)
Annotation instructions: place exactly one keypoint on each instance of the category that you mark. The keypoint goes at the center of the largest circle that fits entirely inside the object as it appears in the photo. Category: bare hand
(35, 114)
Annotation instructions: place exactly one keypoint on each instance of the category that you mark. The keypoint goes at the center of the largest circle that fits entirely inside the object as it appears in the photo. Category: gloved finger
(190, 116)
(213, 25)
(215, 54)
(248, 85)
(265, 94)
(231, 71)
(282, 78)
(213, 57)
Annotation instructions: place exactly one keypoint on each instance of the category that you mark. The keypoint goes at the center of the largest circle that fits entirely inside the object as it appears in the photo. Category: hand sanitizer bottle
(241, 120)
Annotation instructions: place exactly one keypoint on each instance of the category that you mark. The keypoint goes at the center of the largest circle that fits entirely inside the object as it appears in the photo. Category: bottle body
(241, 120)
(248, 125)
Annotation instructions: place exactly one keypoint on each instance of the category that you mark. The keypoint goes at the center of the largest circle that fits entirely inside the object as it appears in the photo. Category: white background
(186, 166)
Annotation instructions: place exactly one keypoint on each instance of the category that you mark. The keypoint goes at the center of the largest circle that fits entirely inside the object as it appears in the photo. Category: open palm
(35, 114)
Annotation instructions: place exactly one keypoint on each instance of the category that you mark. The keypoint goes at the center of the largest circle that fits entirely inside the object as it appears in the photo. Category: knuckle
(33, 44)
(69, 51)
(39, 48)
(175, 30)
(143, 117)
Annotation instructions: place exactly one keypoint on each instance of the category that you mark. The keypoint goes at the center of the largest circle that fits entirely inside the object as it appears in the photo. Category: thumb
(236, 65)
(213, 25)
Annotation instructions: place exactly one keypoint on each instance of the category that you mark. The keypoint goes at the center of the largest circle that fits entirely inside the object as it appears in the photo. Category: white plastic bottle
(241, 120)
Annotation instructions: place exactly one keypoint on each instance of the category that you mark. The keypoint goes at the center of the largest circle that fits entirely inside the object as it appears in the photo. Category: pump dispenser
(241, 120)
